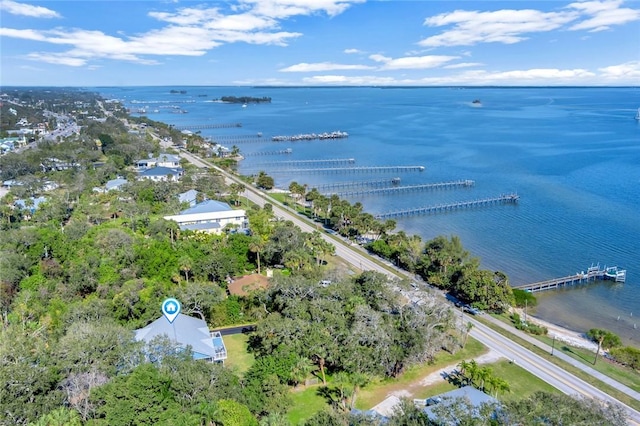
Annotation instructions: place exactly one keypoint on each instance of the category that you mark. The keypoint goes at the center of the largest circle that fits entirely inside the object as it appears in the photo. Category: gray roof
(188, 196)
(114, 183)
(201, 226)
(208, 206)
(161, 171)
(185, 331)
(36, 202)
(475, 397)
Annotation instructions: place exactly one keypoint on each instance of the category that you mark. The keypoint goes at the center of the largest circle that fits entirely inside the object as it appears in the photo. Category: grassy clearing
(238, 358)
(522, 384)
(305, 403)
(584, 357)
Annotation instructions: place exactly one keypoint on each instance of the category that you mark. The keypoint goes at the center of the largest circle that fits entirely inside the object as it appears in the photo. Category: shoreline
(565, 335)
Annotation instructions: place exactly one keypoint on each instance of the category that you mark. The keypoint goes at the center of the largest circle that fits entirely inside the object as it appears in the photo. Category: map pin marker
(171, 309)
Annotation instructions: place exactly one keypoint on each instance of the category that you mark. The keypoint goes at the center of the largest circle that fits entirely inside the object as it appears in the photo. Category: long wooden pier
(361, 169)
(208, 126)
(225, 138)
(439, 208)
(261, 153)
(326, 188)
(293, 163)
(594, 273)
(408, 188)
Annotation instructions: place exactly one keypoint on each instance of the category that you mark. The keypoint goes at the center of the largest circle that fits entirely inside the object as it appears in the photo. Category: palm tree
(342, 381)
(358, 380)
(185, 266)
(301, 370)
(256, 246)
(466, 334)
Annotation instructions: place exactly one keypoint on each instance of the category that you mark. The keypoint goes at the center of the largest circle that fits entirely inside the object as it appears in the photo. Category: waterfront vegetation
(83, 270)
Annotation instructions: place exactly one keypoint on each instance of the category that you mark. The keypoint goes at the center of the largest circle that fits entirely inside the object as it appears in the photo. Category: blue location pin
(171, 309)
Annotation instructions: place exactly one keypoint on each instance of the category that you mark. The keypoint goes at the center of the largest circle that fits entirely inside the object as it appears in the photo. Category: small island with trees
(245, 100)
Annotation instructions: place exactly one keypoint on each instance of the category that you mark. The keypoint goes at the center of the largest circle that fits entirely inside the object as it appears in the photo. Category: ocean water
(571, 154)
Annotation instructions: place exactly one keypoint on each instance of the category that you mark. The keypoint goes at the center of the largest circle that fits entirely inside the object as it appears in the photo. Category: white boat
(638, 114)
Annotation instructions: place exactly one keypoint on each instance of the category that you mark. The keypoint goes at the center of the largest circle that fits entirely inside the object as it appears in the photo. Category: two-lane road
(540, 367)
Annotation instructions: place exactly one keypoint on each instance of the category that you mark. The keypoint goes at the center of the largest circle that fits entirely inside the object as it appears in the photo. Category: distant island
(178, 91)
(245, 99)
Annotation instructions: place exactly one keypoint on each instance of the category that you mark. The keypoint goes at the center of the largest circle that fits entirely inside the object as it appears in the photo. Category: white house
(210, 216)
(162, 160)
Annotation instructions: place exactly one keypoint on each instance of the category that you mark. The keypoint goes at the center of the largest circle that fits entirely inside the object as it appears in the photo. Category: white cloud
(603, 14)
(190, 31)
(628, 70)
(52, 58)
(352, 51)
(502, 26)
(16, 8)
(463, 65)
(412, 62)
(352, 81)
(281, 9)
(323, 66)
(510, 26)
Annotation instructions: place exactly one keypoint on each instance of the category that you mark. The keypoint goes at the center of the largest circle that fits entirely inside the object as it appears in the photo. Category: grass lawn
(521, 383)
(305, 403)
(238, 358)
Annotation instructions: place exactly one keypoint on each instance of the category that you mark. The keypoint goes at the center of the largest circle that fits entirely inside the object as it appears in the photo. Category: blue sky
(319, 42)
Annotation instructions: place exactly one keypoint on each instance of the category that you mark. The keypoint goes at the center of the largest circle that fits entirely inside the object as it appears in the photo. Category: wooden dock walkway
(294, 163)
(408, 188)
(361, 169)
(439, 208)
(193, 127)
(594, 273)
(326, 188)
(261, 153)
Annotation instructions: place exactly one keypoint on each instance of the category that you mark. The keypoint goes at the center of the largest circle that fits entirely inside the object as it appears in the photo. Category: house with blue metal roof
(185, 331)
(160, 173)
(476, 398)
(210, 216)
(188, 197)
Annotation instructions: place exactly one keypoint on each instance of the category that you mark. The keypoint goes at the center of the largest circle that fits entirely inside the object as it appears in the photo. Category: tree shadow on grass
(570, 350)
(329, 394)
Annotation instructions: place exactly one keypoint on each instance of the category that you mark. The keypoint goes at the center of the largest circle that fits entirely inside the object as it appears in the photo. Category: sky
(319, 42)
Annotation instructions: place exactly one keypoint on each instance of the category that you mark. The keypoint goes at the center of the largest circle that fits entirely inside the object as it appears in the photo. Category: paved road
(545, 370)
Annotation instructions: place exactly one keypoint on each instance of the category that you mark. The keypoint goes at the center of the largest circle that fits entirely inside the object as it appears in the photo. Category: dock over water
(362, 169)
(439, 208)
(407, 188)
(594, 273)
(208, 126)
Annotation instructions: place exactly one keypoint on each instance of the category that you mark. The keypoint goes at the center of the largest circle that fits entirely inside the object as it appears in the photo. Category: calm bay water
(572, 154)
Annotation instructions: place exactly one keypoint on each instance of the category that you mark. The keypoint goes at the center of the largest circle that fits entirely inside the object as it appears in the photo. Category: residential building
(210, 216)
(161, 173)
(186, 331)
(189, 197)
(162, 160)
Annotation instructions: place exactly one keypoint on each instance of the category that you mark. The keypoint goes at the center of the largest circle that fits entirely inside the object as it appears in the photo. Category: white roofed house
(162, 160)
(210, 216)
